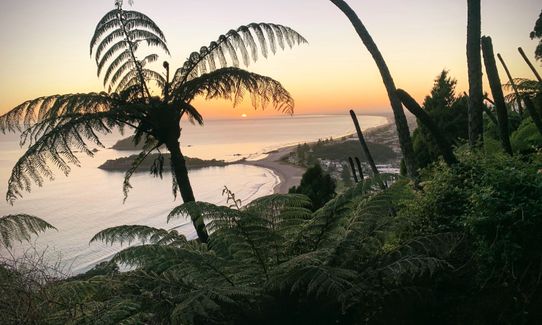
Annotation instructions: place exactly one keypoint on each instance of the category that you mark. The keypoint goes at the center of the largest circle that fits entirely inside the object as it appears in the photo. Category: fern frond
(34, 111)
(118, 37)
(236, 43)
(56, 141)
(144, 234)
(20, 227)
(231, 84)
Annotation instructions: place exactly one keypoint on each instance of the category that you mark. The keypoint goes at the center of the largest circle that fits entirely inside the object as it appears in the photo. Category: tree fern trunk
(358, 163)
(365, 150)
(474, 62)
(536, 74)
(353, 168)
(512, 83)
(400, 118)
(496, 90)
(441, 141)
(178, 165)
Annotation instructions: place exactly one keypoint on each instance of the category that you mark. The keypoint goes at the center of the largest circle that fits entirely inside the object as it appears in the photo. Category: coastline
(290, 175)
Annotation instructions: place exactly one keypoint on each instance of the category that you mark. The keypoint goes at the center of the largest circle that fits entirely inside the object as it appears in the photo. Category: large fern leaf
(232, 84)
(116, 40)
(245, 42)
(19, 227)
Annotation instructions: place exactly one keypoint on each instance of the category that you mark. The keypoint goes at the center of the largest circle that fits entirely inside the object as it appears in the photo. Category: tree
(537, 33)
(317, 185)
(449, 113)
(55, 127)
(398, 113)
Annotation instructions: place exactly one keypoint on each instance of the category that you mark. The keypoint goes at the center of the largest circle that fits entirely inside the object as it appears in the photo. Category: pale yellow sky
(45, 46)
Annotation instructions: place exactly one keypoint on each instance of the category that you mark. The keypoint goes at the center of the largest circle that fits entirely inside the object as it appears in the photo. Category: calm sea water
(90, 199)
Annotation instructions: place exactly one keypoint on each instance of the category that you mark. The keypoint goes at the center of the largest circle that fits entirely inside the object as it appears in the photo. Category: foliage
(537, 33)
(494, 200)
(20, 227)
(317, 185)
(448, 112)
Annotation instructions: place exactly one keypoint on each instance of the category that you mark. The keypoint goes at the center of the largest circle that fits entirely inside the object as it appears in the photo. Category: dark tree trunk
(474, 62)
(365, 150)
(358, 163)
(400, 118)
(513, 84)
(353, 168)
(534, 114)
(496, 90)
(441, 141)
(178, 166)
(520, 50)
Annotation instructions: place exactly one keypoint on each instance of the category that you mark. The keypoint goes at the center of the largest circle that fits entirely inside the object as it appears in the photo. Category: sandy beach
(288, 174)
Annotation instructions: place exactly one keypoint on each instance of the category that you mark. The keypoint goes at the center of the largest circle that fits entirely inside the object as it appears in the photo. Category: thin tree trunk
(358, 163)
(496, 90)
(534, 114)
(178, 165)
(441, 141)
(365, 150)
(489, 114)
(400, 118)
(520, 50)
(474, 62)
(512, 83)
(353, 168)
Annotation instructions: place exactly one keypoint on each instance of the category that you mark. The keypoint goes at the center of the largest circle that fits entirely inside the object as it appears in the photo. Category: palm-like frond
(20, 227)
(116, 40)
(243, 42)
(33, 111)
(232, 84)
(144, 234)
(525, 87)
(56, 141)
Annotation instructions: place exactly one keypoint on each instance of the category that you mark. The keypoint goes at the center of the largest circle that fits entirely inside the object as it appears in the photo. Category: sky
(45, 46)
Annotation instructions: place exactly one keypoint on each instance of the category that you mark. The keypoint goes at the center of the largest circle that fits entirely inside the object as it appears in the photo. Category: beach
(289, 175)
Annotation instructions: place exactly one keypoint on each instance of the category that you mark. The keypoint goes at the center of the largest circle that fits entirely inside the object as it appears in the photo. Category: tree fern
(19, 227)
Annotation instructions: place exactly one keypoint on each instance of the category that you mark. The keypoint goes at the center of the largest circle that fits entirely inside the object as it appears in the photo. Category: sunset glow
(47, 52)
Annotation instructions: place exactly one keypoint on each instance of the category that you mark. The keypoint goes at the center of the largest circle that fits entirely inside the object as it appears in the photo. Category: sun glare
(243, 115)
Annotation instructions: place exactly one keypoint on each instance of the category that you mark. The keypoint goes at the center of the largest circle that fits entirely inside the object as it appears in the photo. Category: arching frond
(245, 42)
(55, 142)
(525, 87)
(116, 40)
(232, 84)
(36, 110)
(143, 234)
(19, 227)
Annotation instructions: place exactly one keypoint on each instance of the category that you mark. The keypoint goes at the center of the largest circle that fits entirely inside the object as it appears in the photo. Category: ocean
(90, 199)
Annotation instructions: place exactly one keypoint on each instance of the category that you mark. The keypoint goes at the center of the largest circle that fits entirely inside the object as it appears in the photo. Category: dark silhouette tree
(317, 185)
(537, 33)
(474, 62)
(447, 111)
(398, 112)
(55, 127)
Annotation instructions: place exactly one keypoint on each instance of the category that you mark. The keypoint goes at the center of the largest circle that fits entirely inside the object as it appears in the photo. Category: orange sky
(45, 46)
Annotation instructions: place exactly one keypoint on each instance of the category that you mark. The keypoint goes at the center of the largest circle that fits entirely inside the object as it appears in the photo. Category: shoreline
(288, 174)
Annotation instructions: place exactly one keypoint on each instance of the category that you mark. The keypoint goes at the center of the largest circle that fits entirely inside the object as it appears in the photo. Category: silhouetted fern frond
(243, 42)
(232, 84)
(19, 227)
(144, 234)
(116, 40)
